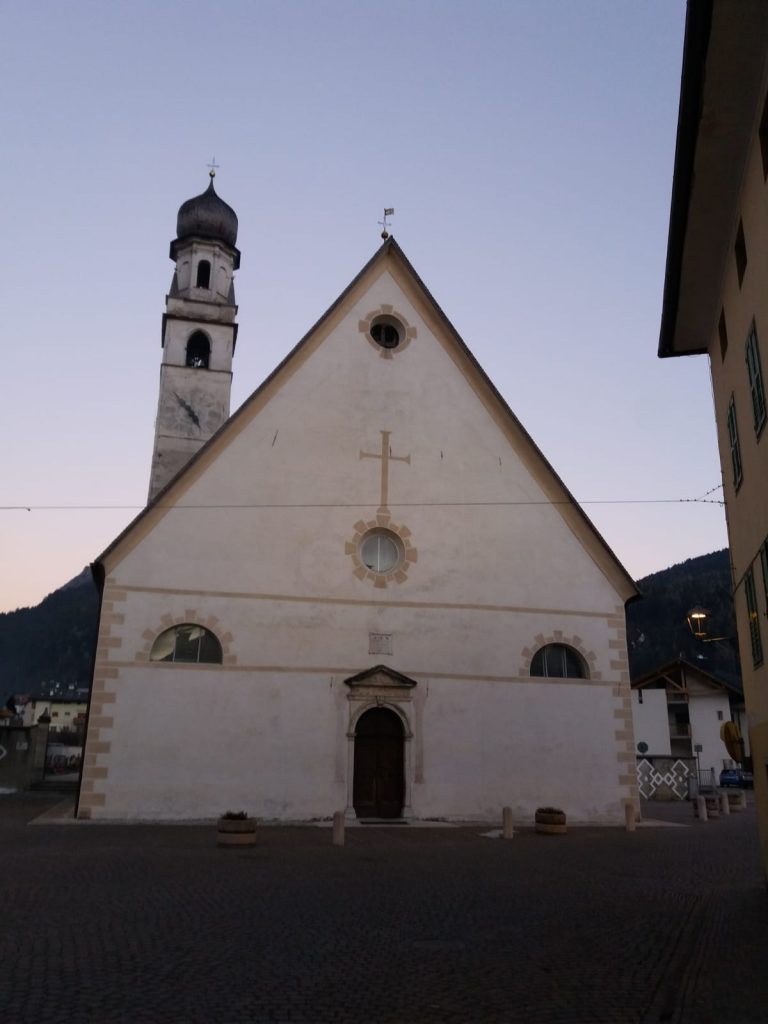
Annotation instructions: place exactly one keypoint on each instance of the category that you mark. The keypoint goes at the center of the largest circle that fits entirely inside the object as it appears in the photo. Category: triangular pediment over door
(380, 677)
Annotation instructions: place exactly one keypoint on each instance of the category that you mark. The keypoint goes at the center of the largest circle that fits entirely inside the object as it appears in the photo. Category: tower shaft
(198, 336)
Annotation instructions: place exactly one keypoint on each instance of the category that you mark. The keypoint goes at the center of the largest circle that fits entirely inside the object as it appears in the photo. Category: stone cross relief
(386, 457)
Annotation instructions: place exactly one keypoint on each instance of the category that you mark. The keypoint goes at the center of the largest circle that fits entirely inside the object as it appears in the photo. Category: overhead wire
(703, 500)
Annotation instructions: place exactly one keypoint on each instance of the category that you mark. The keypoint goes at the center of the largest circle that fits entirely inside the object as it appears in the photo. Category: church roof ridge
(390, 246)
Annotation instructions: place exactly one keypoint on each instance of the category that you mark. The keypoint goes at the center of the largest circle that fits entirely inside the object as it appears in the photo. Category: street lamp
(698, 623)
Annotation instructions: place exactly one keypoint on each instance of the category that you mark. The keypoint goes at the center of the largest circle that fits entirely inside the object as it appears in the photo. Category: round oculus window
(387, 332)
(380, 552)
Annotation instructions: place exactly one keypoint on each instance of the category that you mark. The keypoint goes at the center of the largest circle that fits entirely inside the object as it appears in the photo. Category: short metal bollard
(630, 817)
(507, 827)
(725, 807)
(701, 808)
(338, 828)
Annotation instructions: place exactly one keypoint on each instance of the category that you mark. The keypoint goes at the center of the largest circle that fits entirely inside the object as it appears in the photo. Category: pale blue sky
(527, 148)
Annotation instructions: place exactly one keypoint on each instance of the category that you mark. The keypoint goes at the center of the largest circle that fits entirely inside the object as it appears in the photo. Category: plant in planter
(550, 821)
(235, 828)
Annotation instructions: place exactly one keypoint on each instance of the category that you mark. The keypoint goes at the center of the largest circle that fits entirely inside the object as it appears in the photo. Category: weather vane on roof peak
(212, 165)
(389, 211)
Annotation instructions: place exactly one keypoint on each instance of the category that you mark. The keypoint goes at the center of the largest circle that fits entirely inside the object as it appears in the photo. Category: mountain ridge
(657, 625)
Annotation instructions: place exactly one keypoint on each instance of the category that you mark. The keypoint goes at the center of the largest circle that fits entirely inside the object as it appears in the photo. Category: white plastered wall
(651, 721)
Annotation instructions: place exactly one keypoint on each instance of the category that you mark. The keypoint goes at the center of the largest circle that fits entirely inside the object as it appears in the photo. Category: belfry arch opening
(203, 279)
(379, 765)
(198, 351)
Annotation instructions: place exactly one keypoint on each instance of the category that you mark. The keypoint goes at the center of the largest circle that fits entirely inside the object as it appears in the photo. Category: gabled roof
(390, 253)
(681, 665)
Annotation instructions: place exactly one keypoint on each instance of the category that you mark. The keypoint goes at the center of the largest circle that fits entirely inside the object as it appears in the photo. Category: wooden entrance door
(379, 781)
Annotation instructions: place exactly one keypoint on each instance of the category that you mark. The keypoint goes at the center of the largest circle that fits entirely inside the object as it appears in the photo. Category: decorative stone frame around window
(194, 617)
(401, 536)
(558, 661)
(187, 643)
(563, 639)
(388, 316)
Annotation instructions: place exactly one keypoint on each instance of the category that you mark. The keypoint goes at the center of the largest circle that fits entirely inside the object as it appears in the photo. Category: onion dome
(206, 216)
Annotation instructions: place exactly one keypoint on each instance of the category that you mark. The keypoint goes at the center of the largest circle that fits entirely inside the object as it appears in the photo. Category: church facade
(365, 590)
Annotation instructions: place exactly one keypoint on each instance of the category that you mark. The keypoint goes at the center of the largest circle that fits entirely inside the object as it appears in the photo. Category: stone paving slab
(149, 924)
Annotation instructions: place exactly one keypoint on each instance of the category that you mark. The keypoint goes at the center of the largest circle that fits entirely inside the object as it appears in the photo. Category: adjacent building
(678, 712)
(716, 301)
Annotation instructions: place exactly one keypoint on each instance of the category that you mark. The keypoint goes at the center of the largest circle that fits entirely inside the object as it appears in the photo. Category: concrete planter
(713, 806)
(737, 800)
(550, 821)
(236, 832)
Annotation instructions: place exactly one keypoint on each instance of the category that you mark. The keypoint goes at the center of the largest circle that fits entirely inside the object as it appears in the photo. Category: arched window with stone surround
(198, 351)
(559, 661)
(187, 643)
(204, 274)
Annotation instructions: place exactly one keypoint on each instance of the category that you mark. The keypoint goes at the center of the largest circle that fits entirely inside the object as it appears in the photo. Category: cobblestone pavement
(148, 925)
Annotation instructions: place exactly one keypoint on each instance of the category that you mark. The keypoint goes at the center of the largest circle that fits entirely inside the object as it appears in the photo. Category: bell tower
(198, 334)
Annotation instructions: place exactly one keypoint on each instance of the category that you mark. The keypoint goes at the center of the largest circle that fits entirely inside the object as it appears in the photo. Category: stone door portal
(379, 778)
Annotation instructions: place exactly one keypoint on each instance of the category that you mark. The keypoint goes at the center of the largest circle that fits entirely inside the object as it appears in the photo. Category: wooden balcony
(680, 730)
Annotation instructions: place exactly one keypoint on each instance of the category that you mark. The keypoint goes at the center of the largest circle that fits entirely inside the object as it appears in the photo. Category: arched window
(559, 661)
(198, 351)
(187, 643)
(204, 274)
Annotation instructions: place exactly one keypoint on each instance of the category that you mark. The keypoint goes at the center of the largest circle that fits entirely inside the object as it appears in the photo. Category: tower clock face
(191, 412)
(188, 409)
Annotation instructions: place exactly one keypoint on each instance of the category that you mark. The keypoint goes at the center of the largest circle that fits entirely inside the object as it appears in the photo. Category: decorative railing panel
(665, 778)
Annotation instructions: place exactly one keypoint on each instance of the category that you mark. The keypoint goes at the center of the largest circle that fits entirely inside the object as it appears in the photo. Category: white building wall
(651, 721)
(276, 746)
(193, 741)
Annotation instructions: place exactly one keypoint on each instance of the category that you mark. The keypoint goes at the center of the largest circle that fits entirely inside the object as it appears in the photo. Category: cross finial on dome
(207, 216)
(213, 165)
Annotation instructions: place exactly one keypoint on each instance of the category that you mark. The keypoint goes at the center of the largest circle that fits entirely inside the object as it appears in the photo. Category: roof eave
(698, 25)
(655, 675)
(721, 94)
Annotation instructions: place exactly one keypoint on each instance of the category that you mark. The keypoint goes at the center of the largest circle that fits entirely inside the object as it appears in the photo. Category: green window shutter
(754, 620)
(764, 564)
(755, 373)
(733, 437)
